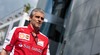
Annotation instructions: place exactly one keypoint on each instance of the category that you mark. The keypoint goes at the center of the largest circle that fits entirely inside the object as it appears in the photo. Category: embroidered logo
(20, 45)
(40, 42)
(24, 36)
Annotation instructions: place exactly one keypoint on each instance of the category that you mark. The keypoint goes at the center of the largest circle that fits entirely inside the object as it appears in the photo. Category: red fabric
(23, 42)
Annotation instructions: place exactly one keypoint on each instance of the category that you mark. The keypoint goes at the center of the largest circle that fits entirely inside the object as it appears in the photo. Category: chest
(27, 41)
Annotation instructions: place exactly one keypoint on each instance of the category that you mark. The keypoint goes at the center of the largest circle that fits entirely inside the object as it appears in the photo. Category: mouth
(39, 23)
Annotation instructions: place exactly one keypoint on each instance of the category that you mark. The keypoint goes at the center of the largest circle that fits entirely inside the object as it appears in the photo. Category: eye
(37, 16)
(42, 18)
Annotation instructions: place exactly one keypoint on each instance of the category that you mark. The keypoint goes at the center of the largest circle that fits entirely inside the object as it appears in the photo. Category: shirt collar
(32, 28)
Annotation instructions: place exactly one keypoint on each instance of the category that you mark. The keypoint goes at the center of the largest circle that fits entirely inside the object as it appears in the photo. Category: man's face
(37, 19)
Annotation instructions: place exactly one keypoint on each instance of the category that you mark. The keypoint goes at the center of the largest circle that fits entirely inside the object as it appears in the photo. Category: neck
(36, 29)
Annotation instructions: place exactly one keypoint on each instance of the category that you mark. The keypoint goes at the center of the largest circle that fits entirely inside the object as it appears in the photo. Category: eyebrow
(39, 17)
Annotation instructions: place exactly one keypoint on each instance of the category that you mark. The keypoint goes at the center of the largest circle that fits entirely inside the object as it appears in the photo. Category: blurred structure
(16, 18)
(82, 29)
(27, 7)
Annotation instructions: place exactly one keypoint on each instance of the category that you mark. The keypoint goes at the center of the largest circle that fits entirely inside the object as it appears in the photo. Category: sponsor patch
(40, 42)
(24, 36)
(20, 45)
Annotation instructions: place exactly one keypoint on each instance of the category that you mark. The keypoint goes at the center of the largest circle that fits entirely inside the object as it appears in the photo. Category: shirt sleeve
(46, 51)
(10, 40)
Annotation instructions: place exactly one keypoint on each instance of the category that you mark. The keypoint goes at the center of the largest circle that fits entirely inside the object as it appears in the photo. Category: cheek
(32, 20)
(42, 21)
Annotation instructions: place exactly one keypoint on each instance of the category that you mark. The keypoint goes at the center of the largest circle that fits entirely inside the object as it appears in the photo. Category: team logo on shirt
(24, 36)
(20, 45)
(40, 42)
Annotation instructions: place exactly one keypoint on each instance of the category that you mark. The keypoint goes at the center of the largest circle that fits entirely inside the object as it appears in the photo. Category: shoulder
(43, 35)
(44, 38)
(19, 28)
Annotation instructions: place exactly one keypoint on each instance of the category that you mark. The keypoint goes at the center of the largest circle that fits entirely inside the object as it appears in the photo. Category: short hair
(36, 10)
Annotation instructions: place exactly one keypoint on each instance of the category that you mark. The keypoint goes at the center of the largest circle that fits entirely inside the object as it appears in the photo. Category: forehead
(39, 13)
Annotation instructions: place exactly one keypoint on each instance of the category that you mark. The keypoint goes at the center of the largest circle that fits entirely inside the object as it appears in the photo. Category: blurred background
(72, 26)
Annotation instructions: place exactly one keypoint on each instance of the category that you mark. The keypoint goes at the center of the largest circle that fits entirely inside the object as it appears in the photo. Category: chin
(38, 26)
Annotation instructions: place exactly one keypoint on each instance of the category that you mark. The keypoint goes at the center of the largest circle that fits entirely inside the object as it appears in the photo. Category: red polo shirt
(20, 41)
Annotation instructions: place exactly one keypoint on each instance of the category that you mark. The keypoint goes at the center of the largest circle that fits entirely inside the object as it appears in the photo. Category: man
(27, 40)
